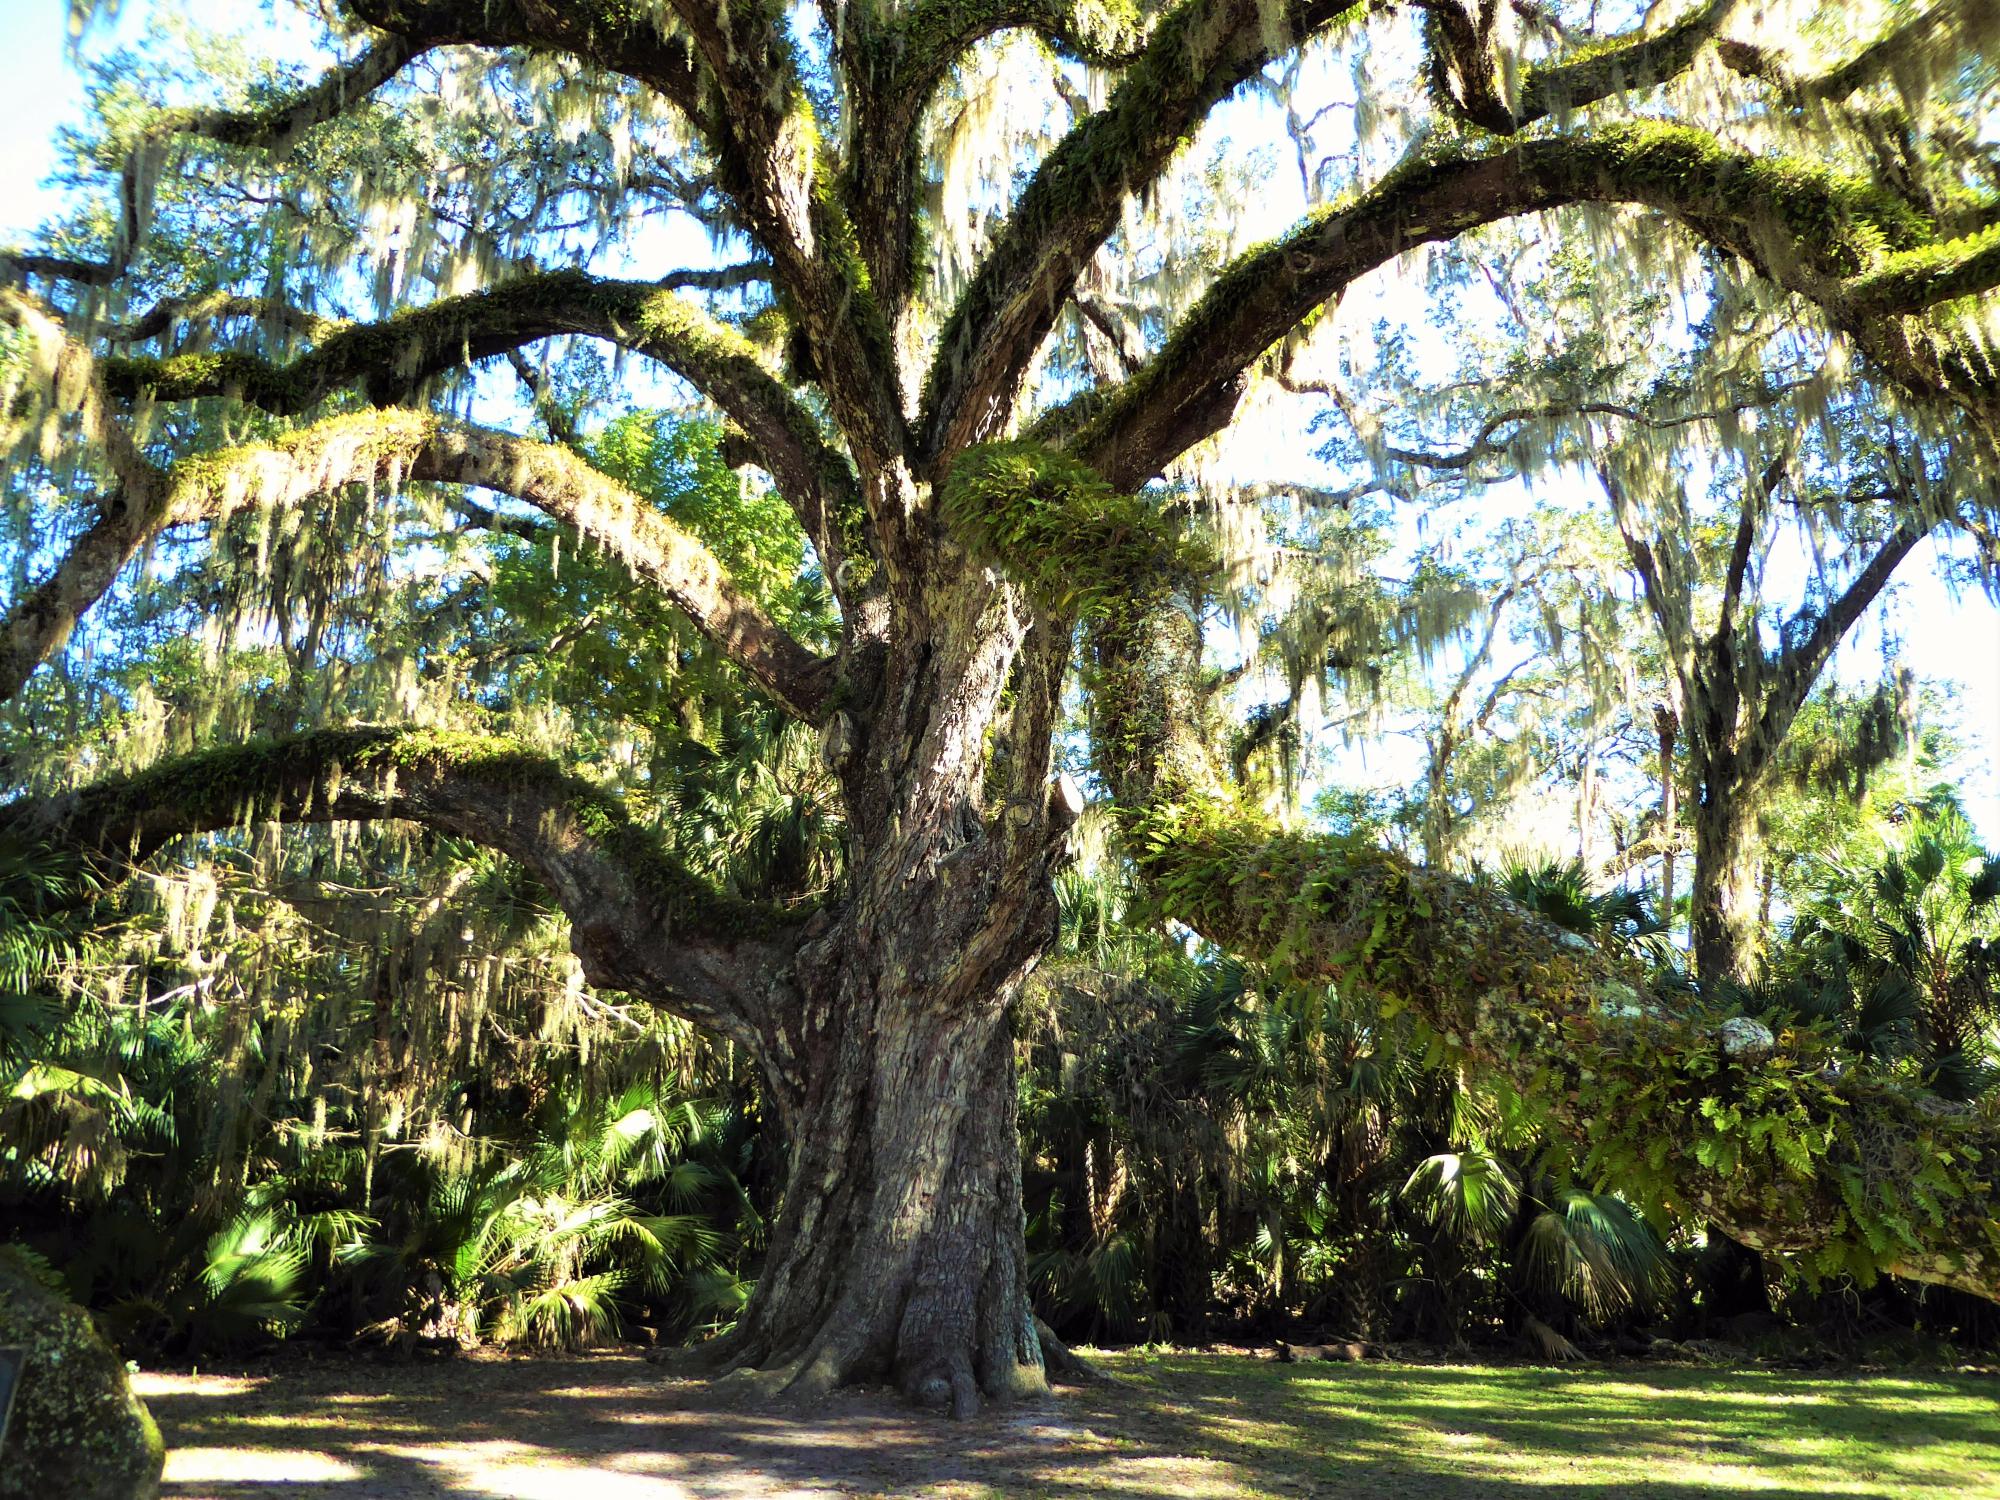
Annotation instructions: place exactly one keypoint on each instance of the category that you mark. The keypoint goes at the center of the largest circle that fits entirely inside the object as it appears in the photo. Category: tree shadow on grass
(613, 1428)
(1444, 1433)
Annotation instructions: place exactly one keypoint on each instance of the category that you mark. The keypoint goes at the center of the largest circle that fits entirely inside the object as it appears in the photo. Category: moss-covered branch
(774, 165)
(642, 922)
(383, 448)
(1619, 64)
(731, 71)
(1773, 1132)
(935, 34)
(1075, 543)
(619, 37)
(391, 361)
(1922, 46)
(1810, 229)
(1194, 57)
(1472, 81)
(895, 66)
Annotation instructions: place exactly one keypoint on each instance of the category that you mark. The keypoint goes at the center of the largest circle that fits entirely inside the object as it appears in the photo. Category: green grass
(1642, 1433)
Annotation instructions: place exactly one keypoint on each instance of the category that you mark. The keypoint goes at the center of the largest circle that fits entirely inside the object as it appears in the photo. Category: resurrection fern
(1062, 531)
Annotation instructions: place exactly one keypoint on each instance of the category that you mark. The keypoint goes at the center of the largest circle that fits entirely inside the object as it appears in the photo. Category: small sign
(12, 1362)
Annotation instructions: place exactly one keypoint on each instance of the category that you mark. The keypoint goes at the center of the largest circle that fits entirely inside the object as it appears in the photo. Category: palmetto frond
(1595, 1250)
(1471, 1194)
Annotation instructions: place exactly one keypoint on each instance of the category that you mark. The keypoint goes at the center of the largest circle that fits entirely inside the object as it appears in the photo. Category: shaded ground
(611, 1427)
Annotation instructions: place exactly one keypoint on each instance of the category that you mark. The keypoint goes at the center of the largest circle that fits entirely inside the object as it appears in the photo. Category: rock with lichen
(1746, 1039)
(77, 1432)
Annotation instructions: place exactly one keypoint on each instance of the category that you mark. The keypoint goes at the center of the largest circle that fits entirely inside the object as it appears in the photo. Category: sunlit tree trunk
(1723, 902)
(1668, 723)
(898, 1252)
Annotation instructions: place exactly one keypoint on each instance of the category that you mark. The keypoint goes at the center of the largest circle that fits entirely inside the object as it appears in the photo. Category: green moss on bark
(77, 1431)
(1063, 533)
(298, 779)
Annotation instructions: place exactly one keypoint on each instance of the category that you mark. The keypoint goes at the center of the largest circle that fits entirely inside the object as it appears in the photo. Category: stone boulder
(77, 1432)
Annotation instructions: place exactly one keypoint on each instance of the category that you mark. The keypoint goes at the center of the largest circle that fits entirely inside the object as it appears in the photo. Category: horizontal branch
(386, 448)
(642, 922)
(1792, 1145)
(1922, 45)
(391, 361)
(1620, 64)
(630, 40)
(170, 313)
(934, 34)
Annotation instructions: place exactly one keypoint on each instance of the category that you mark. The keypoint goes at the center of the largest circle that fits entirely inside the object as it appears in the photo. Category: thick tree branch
(1470, 79)
(775, 167)
(392, 360)
(630, 40)
(1800, 663)
(1195, 56)
(1805, 228)
(642, 922)
(1622, 65)
(385, 448)
(1789, 1144)
(1921, 46)
(557, 482)
(730, 70)
(895, 71)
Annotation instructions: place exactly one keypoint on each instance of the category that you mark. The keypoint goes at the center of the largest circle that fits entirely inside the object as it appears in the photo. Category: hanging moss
(1838, 223)
(298, 778)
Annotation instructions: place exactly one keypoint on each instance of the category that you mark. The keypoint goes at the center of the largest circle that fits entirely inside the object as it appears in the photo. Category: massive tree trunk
(881, 1024)
(898, 1251)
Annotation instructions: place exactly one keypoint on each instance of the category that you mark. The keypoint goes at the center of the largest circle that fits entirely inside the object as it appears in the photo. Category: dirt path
(611, 1427)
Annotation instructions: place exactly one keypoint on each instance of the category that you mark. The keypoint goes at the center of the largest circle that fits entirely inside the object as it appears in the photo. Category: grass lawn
(1632, 1431)
(1176, 1427)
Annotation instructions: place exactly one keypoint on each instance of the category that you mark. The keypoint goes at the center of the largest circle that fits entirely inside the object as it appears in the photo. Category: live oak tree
(895, 347)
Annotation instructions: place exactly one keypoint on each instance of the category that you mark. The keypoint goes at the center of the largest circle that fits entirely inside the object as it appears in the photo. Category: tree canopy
(338, 377)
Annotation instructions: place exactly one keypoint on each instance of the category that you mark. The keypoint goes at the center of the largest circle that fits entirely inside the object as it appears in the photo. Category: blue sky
(1955, 641)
